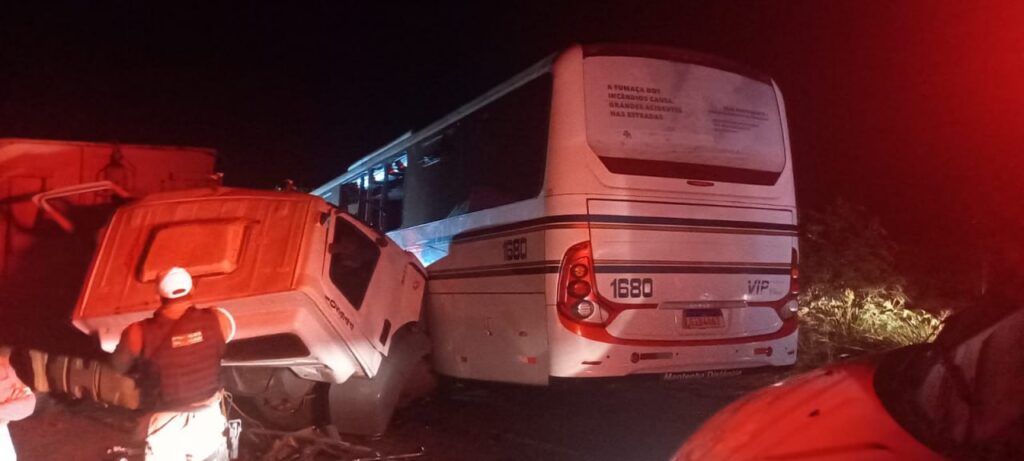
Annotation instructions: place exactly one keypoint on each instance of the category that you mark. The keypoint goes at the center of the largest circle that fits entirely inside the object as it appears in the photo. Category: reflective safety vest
(180, 363)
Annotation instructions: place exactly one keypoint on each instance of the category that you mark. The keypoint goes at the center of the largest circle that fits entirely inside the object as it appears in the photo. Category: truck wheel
(364, 406)
(282, 400)
(420, 382)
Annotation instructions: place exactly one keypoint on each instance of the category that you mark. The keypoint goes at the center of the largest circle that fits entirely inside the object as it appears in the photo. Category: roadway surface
(622, 419)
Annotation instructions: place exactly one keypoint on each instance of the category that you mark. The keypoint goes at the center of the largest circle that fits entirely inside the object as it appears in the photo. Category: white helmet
(175, 283)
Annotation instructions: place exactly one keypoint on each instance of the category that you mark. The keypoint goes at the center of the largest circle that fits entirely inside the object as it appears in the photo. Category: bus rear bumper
(579, 357)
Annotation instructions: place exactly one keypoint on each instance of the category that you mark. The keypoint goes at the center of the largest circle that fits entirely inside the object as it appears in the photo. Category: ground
(628, 418)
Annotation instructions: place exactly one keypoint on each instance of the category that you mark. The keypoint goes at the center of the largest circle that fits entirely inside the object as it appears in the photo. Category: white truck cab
(322, 302)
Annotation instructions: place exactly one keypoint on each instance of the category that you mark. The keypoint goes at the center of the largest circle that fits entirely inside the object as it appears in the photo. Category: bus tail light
(794, 274)
(578, 289)
(789, 307)
(576, 297)
(583, 309)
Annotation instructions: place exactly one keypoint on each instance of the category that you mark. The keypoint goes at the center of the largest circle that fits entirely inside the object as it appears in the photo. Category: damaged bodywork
(327, 309)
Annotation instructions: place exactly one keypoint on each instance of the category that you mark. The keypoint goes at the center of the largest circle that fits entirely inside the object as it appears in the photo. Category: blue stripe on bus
(620, 219)
(624, 269)
(610, 269)
(470, 273)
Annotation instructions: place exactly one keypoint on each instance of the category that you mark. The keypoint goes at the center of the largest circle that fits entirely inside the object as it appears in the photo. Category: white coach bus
(612, 210)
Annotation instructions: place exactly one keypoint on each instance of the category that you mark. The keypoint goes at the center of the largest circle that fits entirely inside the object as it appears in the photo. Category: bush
(853, 300)
(838, 321)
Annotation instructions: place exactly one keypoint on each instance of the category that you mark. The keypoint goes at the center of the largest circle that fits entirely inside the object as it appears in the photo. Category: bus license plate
(698, 319)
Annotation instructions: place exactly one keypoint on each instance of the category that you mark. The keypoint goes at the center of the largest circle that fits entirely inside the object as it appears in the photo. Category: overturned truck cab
(328, 310)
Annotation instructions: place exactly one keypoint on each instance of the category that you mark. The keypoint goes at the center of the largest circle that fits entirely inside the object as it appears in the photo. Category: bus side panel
(485, 292)
(491, 337)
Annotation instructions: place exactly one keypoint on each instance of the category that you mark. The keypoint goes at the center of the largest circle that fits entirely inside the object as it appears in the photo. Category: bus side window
(492, 157)
(386, 194)
(391, 210)
(435, 183)
(376, 196)
(505, 146)
(375, 189)
(349, 194)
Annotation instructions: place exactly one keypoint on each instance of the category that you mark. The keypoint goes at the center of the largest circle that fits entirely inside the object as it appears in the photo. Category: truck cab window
(354, 257)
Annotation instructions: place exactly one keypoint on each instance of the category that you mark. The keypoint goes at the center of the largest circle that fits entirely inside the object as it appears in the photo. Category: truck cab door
(350, 266)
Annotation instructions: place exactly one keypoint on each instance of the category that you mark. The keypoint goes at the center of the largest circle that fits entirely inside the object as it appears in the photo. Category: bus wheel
(364, 406)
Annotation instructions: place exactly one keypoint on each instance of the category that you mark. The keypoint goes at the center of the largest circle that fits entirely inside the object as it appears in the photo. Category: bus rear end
(677, 168)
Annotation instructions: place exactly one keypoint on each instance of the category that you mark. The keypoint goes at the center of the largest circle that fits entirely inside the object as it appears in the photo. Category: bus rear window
(652, 117)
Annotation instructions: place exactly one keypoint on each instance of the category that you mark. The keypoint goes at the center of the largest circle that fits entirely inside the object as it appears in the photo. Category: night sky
(913, 109)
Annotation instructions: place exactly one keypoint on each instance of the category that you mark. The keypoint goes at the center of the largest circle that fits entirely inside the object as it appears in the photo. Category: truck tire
(364, 406)
(277, 397)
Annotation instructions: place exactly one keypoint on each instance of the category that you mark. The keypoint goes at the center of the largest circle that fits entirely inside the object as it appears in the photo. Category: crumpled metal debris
(312, 444)
(416, 454)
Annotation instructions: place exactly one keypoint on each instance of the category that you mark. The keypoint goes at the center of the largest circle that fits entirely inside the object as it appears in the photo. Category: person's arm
(227, 323)
(16, 399)
(128, 349)
(19, 407)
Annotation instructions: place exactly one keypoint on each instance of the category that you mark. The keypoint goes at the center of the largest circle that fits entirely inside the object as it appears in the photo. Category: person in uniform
(16, 402)
(176, 356)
